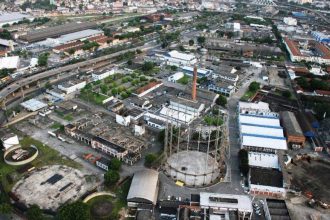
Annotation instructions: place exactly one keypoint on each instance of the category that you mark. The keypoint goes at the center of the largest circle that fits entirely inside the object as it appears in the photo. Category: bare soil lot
(312, 177)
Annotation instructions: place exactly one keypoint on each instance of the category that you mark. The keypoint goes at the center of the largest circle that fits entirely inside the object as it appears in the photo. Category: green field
(184, 80)
(247, 95)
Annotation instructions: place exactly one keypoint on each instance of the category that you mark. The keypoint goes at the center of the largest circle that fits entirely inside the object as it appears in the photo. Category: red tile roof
(323, 49)
(301, 70)
(68, 46)
(323, 92)
(147, 87)
(293, 47)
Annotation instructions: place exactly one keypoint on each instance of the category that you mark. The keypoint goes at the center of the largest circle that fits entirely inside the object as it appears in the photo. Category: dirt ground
(312, 177)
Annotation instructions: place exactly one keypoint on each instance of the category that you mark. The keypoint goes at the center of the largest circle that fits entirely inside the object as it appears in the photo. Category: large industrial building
(217, 205)
(176, 58)
(310, 51)
(262, 135)
(292, 129)
(12, 17)
(51, 32)
(143, 192)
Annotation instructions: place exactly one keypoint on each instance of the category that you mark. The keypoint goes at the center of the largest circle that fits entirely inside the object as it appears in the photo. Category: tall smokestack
(194, 84)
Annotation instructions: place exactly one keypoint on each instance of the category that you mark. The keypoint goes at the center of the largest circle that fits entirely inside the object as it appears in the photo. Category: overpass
(25, 82)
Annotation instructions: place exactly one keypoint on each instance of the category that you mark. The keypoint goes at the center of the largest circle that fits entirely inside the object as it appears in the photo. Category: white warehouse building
(176, 58)
(72, 86)
(175, 77)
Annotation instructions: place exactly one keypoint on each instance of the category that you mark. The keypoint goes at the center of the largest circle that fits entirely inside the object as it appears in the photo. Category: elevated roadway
(21, 83)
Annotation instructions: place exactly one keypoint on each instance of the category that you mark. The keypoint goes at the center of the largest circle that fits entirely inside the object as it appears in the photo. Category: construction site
(311, 175)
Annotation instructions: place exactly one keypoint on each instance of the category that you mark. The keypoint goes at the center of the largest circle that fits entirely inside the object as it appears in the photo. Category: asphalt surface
(26, 81)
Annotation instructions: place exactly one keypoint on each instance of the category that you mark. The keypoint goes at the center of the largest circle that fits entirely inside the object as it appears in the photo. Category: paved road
(26, 81)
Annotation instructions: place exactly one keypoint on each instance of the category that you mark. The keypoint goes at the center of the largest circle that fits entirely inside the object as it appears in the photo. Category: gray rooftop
(290, 123)
(144, 187)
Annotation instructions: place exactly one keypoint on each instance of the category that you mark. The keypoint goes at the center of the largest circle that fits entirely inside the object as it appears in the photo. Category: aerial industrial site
(165, 110)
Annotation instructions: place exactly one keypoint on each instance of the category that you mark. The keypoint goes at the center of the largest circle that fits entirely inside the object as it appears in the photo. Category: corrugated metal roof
(144, 186)
(259, 130)
(258, 120)
(291, 124)
(264, 142)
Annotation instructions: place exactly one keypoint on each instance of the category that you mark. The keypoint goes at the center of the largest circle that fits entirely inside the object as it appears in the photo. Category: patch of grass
(93, 97)
(248, 95)
(184, 80)
(68, 117)
(56, 126)
(213, 120)
(47, 156)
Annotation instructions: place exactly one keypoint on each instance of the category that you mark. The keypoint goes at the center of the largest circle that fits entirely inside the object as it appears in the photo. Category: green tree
(191, 42)
(71, 51)
(149, 159)
(286, 94)
(129, 62)
(254, 86)
(221, 100)
(43, 59)
(74, 211)
(201, 40)
(48, 85)
(111, 177)
(147, 66)
(34, 213)
(115, 164)
(303, 82)
(5, 208)
(114, 91)
(5, 34)
(174, 68)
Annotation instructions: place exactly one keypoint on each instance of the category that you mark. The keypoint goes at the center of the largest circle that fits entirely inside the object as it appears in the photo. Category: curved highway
(13, 87)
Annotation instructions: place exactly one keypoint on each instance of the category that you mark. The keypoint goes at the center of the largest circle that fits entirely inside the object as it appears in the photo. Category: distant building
(217, 205)
(234, 27)
(290, 21)
(9, 140)
(140, 92)
(321, 37)
(103, 163)
(201, 72)
(175, 77)
(108, 147)
(56, 31)
(266, 182)
(276, 209)
(72, 86)
(9, 62)
(102, 75)
(144, 188)
(320, 54)
(176, 58)
(223, 87)
(292, 129)
(13, 17)
(301, 1)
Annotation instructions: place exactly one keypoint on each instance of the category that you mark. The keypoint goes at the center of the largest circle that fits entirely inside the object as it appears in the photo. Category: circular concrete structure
(32, 154)
(50, 187)
(194, 168)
